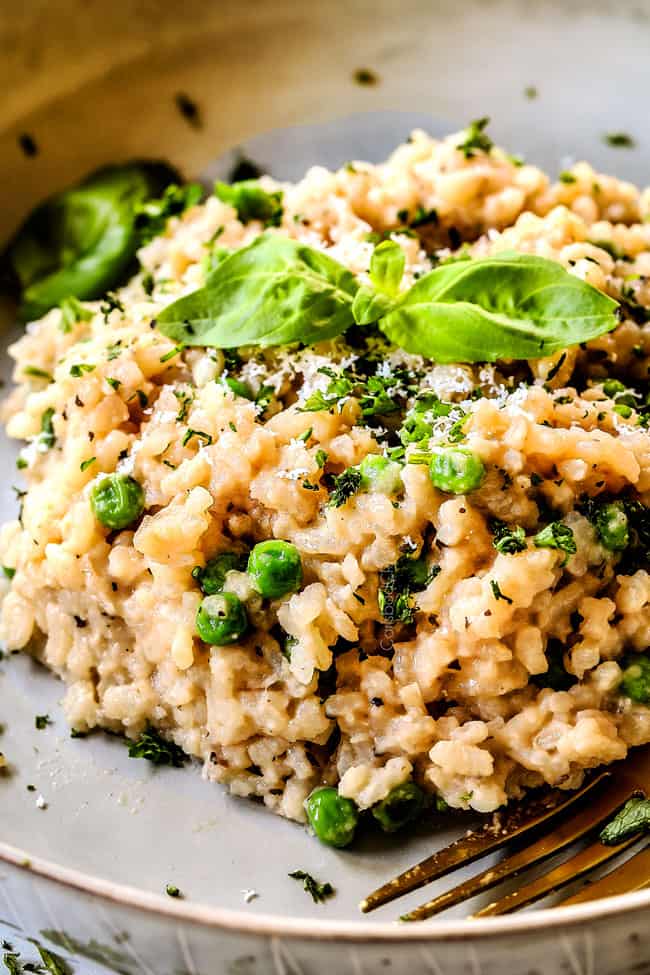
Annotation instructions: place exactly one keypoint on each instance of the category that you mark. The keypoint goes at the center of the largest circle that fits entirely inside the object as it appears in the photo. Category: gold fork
(590, 807)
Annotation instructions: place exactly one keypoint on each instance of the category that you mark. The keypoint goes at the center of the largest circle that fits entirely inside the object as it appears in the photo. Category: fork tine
(568, 831)
(571, 869)
(517, 821)
(632, 875)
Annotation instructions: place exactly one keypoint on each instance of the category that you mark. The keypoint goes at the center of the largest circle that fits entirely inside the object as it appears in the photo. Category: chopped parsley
(199, 434)
(157, 750)
(507, 539)
(321, 457)
(110, 303)
(8, 572)
(318, 891)
(172, 891)
(36, 373)
(475, 138)
(556, 535)
(113, 383)
(172, 352)
(47, 437)
(85, 464)
(633, 818)
(152, 215)
(73, 312)
(398, 583)
(41, 721)
(530, 92)
(497, 592)
(345, 486)
(79, 368)
(338, 389)
(185, 401)
(566, 176)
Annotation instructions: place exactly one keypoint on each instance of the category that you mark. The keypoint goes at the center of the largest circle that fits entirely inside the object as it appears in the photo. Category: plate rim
(308, 929)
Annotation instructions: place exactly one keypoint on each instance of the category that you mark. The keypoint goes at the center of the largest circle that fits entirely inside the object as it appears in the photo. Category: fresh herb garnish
(567, 177)
(85, 464)
(338, 389)
(73, 312)
(507, 539)
(41, 721)
(346, 485)
(206, 438)
(508, 306)
(273, 292)
(82, 241)
(157, 750)
(79, 368)
(318, 891)
(475, 138)
(633, 818)
(172, 891)
(498, 593)
(47, 437)
(151, 216)
(35, 372)
(252, 202)
(556, 535)
(277, 291)
(398, 583)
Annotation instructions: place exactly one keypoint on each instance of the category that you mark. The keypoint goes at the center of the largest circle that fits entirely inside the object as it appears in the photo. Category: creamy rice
(457, 698)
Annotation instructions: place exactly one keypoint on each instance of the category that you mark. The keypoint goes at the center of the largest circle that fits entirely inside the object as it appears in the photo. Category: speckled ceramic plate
(96, 82)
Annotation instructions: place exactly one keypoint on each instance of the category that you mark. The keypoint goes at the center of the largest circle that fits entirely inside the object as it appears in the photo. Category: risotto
(454, 593)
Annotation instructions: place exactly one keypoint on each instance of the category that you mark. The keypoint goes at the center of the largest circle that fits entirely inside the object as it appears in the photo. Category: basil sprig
(273, 292)
(277, 291)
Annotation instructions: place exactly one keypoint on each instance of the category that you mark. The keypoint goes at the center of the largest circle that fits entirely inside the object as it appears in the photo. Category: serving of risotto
(344, 492)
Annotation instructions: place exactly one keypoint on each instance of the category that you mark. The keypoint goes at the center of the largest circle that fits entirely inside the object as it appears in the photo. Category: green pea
(238, 388)
(612, 526)
(456, 470)
(402, 805)
(276, 568)
(221, 619)
(332, 817)
(212, 577)
(636, 679)
(611, 387)
(117, 501)
(380, 474)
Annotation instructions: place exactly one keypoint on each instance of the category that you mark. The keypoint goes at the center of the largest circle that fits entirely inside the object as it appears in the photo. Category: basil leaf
(369, 306)
(387, 267)
(273, 292)
(81, 242)
(511, 306)
(252, 202)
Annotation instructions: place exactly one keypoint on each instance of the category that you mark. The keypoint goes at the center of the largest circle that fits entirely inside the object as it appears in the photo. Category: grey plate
(95, 83)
